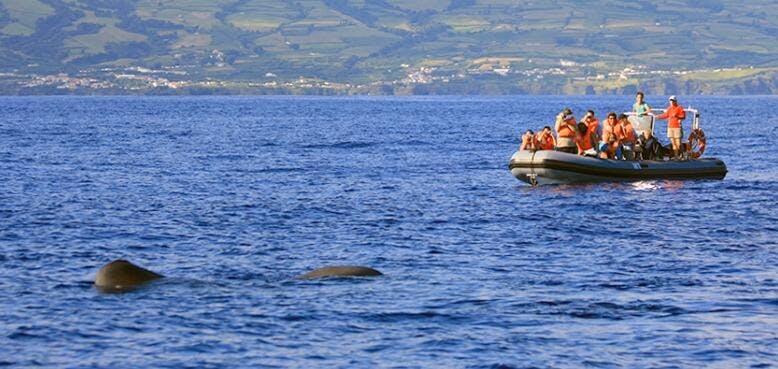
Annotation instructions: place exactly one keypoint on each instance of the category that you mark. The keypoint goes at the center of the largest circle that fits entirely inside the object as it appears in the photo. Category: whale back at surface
(120, 275)
(341, 271)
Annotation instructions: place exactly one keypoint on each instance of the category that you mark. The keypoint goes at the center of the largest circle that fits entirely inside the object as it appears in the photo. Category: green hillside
(388, 46)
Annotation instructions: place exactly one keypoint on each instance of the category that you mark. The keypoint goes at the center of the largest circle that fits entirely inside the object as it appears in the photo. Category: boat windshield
(642, 123)
(646, 122)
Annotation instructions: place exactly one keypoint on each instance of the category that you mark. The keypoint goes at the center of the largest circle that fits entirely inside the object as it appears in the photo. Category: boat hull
(555, 167)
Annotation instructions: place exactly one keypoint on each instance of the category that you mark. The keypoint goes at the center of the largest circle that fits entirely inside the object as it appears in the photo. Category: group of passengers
(615, 140)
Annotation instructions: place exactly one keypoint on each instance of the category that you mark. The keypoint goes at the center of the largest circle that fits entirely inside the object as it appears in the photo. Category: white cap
(672, 98)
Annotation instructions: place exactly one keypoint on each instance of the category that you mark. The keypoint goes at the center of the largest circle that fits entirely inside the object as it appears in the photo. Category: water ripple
(233, 197)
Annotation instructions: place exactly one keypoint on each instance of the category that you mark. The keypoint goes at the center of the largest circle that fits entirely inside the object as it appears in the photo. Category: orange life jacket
(584, 142)
(592, 126)
(546, 143)
(567, 129)
(628, 133)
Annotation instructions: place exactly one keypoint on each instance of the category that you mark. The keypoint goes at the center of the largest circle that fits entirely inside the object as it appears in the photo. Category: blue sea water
(232, 197)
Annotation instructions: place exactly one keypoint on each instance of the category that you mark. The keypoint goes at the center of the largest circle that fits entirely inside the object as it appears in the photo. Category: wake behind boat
(538, 167)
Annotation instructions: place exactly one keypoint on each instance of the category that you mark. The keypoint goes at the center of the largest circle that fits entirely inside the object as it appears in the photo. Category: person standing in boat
(674, 115)
(565, 130)
(640, 108)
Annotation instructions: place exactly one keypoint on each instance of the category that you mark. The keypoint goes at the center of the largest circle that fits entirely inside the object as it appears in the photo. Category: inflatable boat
(556, 167)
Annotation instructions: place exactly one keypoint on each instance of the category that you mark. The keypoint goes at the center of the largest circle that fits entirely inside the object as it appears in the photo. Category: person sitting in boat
(585, 140)
(528, 141)
(545, 139)
(640, 108)
(626, 135)
(674, 115)
(565, 129)
(609, 144)
(650, 147)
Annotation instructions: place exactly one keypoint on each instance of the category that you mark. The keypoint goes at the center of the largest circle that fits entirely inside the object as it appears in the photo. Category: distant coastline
(426, 82)
(395, 47)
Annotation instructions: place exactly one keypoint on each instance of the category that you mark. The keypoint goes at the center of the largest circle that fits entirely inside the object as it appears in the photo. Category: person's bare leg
(676, 147)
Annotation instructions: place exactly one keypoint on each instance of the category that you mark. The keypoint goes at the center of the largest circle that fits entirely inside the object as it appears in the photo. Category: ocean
(231, 198)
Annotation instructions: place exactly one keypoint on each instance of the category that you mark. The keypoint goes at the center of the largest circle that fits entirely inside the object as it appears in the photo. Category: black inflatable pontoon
(555, 167)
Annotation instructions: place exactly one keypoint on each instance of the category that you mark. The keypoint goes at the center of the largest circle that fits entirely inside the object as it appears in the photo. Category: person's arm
(663, 115)
(648, 109)
(572, 126)
(621, 132)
